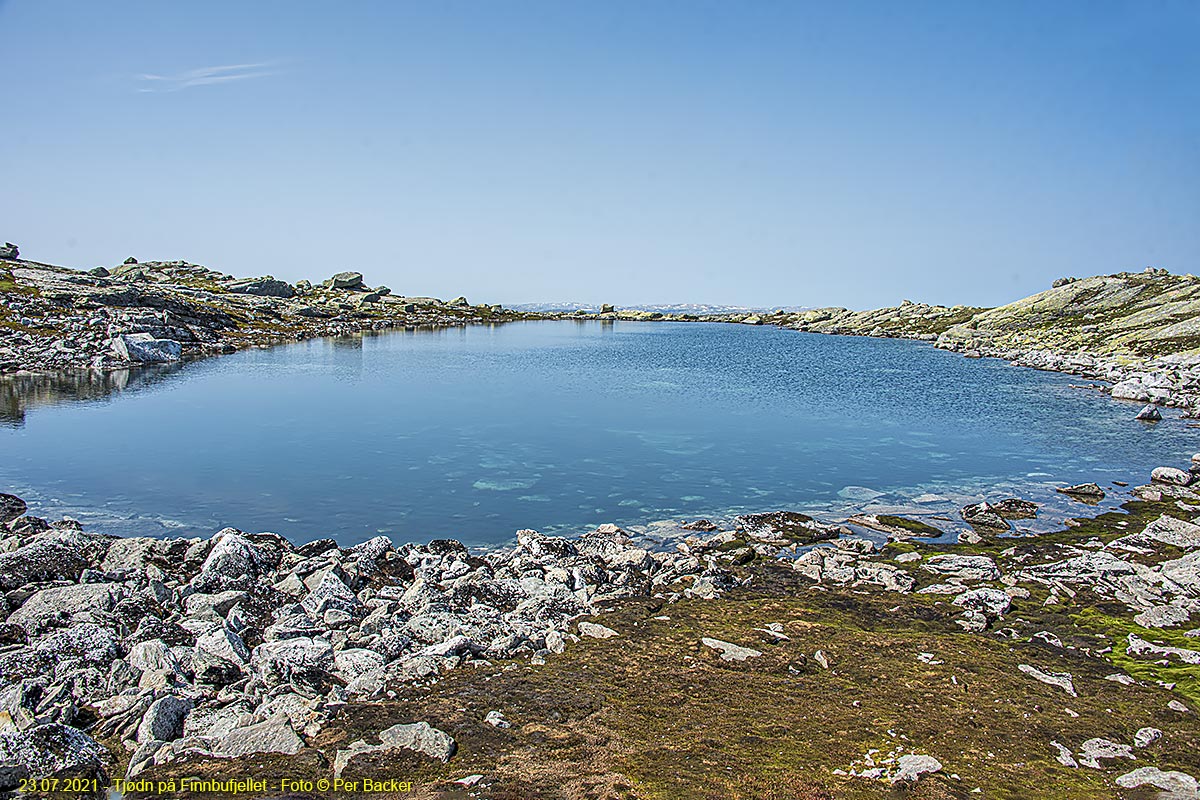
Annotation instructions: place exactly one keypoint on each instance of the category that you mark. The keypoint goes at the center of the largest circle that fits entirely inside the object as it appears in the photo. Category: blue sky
(763, 153)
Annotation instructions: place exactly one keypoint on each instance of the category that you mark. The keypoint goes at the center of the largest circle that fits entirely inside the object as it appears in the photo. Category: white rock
(1179, 784)
(1091, 751)
(596, 631)
(496, 719)
(912, 767)
(730, 652)
(1060, 679)
(1146, 736)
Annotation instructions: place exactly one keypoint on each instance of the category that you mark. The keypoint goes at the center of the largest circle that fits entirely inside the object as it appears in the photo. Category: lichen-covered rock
(47, 558)
(300, 661)
(274, 735)
(219, 657)
(417, 737)
(66, 605)
(964, 568)
(46, 750)
(345, 280)
(164, 719)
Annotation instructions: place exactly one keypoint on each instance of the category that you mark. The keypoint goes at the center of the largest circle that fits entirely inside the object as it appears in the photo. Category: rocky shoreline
(55, 319)
(1138, 334)
(128, 656)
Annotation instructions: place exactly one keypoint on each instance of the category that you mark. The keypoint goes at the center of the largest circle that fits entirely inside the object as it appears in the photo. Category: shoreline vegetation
(768, 656)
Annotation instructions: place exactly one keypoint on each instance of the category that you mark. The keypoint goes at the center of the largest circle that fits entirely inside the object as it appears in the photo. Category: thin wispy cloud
(204, 76)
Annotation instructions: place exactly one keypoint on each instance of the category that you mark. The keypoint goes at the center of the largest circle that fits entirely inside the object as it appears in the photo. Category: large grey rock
(164, 719)
(1165, 530)
(1062, 680)
(1149, 413)
(47, 558)
(1093, 750)
(964, 568)
(214, 722)
(1085, 491)
(263, 287)
(596, 631)
(65, 605)
(330, 593)
(985, 600)
(345, 280)
(274, 735)
(301, 661)
(153, 655)
(144, 348)
(730, 651)
(418, 737)
(233, 562)
(354, 662)
(1180, 785)
(984, 515)
(912, 767)
(219, 657)
(1140, 648)
(87, 642)
(1171, 476)
(1162, 617)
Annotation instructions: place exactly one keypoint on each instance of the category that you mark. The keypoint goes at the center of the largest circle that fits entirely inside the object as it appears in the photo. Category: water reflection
(21, 393)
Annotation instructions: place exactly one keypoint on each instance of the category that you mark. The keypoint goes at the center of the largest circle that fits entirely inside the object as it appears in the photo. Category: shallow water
(474, 433)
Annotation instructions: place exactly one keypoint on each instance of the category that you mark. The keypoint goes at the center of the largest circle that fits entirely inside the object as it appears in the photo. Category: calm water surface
(474, 433)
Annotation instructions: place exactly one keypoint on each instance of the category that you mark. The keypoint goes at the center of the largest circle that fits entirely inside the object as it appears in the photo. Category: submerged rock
(1087, 491)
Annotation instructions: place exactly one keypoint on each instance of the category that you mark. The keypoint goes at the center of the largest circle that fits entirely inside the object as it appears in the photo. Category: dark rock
(50, 749)
(1149, 414)
(130, 260)
(984, 515)
(9, 251)
(317, 547)
(11, 507)
(443, 547)
(99, 272)
(1015, 508)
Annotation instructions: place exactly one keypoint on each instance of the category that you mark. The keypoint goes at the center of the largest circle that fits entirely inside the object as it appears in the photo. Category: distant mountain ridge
(665, 308)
